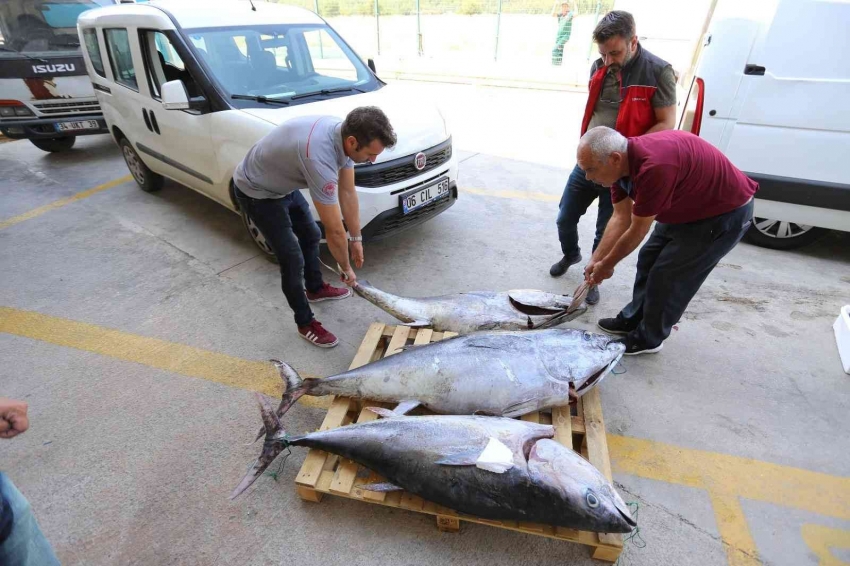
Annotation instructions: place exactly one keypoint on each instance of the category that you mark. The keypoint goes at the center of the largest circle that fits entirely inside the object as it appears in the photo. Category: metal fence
(495, 30)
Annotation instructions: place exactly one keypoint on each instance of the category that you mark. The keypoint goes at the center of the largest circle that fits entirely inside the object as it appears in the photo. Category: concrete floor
(126, 463)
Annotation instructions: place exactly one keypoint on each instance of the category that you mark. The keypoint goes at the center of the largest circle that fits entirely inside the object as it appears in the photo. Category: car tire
(780, 234)
(148, 180)
(257, 237)
(54, 145)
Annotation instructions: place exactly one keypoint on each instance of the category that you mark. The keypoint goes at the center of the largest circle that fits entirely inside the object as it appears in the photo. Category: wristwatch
(355, 238)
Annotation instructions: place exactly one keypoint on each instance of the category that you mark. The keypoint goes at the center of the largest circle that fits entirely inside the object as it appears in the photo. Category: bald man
(702, 206)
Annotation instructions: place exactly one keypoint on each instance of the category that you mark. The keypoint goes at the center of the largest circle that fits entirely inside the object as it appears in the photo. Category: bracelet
(355, 238)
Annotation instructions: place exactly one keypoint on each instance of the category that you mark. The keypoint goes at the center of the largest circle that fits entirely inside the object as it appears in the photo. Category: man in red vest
(631, 91)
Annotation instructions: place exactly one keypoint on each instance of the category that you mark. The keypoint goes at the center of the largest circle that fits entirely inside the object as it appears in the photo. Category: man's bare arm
(348, 201)
(617, 225)
(629, 241)
(331, 219)
(666, 119)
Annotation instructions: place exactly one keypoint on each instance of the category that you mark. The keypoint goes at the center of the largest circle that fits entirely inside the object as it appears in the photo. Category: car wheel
(54, 145)
(257, 237)
(148, 180)
(781, 234)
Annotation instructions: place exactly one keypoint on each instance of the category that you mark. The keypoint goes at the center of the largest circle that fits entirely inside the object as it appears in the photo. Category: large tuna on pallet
(506, 374)
(438, 458)
(521, 309)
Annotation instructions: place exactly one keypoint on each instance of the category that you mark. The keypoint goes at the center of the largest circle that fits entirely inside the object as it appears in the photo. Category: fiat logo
(419, 161)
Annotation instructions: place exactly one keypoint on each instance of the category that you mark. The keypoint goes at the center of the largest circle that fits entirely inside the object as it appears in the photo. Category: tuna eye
(592, 501)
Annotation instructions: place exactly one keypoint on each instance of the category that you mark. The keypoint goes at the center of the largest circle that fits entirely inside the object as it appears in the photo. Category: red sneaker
(328, 293)
(315, 333)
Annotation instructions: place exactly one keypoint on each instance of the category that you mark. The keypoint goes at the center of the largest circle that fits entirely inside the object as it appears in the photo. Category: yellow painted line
(732, 475)
(522, 195)
(821, 540)
(152, 352)
(726, 478)
(734, 530)
(62, 202)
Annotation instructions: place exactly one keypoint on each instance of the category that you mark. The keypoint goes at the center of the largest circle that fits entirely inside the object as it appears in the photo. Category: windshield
(281, 61)
(38, 28)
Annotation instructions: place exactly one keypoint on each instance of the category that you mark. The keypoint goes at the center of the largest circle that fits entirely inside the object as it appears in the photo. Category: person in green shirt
(565, 28)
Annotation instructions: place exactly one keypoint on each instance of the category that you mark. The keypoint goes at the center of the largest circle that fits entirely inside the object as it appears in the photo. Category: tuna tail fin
(293, 386)
(275, 443)
(293, 389)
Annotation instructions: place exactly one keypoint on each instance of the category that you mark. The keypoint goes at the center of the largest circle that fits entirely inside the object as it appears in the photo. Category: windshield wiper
(260, 98)
(326, 91)
(39, 59)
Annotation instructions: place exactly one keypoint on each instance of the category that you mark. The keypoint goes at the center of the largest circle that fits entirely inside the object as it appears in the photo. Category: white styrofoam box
(842, 336)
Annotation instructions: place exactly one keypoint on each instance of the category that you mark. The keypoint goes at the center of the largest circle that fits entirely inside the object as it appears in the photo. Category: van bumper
(392, 222)
(47, 127)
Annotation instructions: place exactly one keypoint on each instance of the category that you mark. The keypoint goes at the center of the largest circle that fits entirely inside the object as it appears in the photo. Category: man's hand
(599, 272)
(588, 271)
(13, 417)
(348, 277)
(356, 253)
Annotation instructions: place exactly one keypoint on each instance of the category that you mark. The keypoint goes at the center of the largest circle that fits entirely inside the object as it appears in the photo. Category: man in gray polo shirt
(317, 153)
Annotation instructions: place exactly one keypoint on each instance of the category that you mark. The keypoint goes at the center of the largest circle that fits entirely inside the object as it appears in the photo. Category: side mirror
(174, 96)
(371, 64)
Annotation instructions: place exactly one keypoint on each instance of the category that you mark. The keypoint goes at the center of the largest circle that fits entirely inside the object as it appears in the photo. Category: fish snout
(625, 518)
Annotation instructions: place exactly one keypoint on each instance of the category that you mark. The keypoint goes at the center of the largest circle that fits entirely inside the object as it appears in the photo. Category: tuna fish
(469, 312)
(504, 374)
(435, 458)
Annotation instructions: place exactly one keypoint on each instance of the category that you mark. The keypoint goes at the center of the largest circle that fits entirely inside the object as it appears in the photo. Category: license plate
(416, 198)
(74, 126)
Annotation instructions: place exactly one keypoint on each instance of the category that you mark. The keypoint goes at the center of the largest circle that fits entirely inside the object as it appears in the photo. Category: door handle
(154, 124)
(756, 70)
(147, 120)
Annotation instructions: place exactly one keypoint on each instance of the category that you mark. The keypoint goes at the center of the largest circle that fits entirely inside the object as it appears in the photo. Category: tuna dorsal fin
(468, 458)
(380, 487)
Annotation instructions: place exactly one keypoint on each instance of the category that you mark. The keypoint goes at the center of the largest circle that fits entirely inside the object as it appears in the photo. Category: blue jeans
(25, 545)
(672, 266)
(288, 226)
(578, 195)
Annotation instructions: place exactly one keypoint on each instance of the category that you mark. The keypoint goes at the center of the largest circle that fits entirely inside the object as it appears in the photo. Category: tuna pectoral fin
(417, 323)
(469, 458)
(380, 487)
(401, 409)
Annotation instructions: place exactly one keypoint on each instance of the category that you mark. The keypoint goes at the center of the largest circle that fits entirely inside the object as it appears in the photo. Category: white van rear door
(733, 32)
(793, 120)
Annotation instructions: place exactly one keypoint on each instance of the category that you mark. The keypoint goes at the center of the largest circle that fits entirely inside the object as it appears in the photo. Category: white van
(770, 91)
(188, 87)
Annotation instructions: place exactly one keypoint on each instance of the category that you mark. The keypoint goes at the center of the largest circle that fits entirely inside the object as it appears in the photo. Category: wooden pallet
(579, 426)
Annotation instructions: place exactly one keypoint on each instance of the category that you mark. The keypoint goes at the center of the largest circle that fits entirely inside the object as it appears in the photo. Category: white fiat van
(769, 91)
(188, 87)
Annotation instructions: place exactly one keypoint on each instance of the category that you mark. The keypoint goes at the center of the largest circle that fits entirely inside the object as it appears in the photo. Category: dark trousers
(578, 194)
(288, 226)
(672, 266)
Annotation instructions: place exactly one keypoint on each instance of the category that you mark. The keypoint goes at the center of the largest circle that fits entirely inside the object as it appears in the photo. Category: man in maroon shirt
(702, 205)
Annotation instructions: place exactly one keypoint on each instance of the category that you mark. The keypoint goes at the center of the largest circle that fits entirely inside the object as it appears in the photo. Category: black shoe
(614, 325)
(634, 348)
(592, 295)
(561, 267)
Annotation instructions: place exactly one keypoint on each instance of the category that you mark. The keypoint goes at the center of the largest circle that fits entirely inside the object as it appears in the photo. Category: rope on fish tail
(634, 537)
(274, 475)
